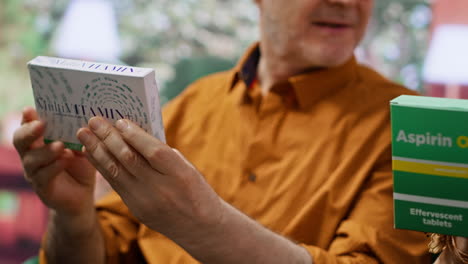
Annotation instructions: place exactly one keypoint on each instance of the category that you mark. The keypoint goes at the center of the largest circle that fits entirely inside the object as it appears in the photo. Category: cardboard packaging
(430, 164)
(67, 93)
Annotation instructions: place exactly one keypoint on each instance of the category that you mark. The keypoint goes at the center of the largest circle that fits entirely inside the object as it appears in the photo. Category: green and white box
(67, 93)
(430, 164)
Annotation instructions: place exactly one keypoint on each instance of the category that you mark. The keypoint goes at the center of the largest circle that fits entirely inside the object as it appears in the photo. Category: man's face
(318, 33)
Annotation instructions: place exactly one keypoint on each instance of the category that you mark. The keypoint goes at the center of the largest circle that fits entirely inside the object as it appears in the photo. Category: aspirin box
(67, 93)
(430, 164)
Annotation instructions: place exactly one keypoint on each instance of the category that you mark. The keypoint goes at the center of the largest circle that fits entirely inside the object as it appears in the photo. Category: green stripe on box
(69, 145)
(430, 185)
(431, 218)
(73, 146)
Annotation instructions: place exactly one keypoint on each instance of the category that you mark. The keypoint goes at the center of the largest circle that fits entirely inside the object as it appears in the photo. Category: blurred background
(418, 43)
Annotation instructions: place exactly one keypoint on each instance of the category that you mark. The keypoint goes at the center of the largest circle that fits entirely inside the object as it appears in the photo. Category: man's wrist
(74, 239)
(76, 226)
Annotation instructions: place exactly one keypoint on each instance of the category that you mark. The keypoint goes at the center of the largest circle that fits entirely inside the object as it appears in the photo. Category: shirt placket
(259, 147)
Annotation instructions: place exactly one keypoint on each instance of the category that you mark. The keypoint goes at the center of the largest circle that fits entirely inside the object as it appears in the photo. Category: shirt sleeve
(367, 234)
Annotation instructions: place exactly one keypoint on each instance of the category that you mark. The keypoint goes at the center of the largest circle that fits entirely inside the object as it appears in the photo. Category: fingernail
(83, 137)
(35, 123)
(121, 125)
(95, 123)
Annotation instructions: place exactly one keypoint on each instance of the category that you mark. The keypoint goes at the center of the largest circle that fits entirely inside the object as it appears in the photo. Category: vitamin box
(430, 164)
(67, 93)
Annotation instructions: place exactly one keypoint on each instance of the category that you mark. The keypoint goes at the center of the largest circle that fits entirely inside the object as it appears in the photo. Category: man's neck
(274, 68)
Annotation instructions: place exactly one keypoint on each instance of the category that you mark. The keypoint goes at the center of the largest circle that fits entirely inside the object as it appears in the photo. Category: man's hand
(162, 189)
(64, 180)
(166, 193)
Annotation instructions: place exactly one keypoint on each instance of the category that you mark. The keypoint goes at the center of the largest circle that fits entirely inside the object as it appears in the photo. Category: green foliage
(397, 39)
(190, 69)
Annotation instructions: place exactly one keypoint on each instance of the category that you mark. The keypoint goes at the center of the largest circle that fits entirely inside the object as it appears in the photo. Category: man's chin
(334, 57)
(326, 55)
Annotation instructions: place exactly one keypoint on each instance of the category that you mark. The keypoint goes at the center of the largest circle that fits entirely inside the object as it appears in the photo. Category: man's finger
(104, 162)
(26, 135)
(124, 153)
(40, 180)
(35, 159)
(29, 114)
(159, 155)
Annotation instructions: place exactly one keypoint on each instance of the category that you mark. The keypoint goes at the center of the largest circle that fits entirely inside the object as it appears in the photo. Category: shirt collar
(246, 68)
(306, 88)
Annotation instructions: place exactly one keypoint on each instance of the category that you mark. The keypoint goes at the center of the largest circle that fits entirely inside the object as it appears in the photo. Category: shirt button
(252, 177)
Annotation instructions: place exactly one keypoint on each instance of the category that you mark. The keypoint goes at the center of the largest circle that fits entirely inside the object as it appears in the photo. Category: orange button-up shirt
(310, 160)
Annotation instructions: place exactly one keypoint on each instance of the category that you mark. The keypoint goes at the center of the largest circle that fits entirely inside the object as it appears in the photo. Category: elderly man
(283, 159)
